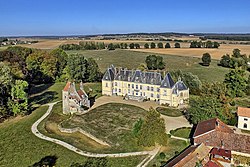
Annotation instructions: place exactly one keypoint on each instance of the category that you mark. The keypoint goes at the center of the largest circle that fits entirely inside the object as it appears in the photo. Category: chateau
(138, 85)
(73, 100)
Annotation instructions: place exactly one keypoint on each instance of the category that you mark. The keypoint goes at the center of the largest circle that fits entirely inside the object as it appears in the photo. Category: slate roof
(167, 82)
(154, 78)
(109, 75)
(179, 86)
(244, 112)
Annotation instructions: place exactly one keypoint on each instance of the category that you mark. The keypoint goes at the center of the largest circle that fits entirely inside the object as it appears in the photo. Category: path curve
(35, 131)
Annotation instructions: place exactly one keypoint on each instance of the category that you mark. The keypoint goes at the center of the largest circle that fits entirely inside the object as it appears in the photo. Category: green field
(132, 59)
(169, 111)
(181, 132)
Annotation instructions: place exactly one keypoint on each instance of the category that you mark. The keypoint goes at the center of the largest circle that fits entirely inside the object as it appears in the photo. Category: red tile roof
(80, 93)
(66, 88)
(221, 152)
(211, 125)
(205, 126)
(244, 112)
(211, 164)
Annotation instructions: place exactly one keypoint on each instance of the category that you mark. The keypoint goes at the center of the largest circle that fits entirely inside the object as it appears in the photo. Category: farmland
(198, 52)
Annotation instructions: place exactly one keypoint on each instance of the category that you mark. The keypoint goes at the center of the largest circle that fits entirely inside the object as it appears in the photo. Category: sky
(85, 17)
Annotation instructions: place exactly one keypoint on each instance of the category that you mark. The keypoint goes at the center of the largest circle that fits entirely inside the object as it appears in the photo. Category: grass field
(132, 59)
(181, 132)
(112, 117)
(169, 111)
(19, 147)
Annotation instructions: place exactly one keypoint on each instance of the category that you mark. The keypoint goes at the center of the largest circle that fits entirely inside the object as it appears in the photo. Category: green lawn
(132, 59)
(171, 112)
(113, 123)
(19, 147)
(181, 132)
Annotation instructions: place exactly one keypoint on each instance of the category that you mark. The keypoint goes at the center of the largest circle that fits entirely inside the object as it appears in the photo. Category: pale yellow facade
(147, 91)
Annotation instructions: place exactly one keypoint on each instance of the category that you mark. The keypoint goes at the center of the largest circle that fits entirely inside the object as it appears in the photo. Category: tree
(192, 82)
(93, 71)
(236, 83)
(137, 127)
(160, 45)
(77, 66)
(248, 86)
(151, 62)
(137, 46)
(6, 80)
(93, 162)
(206, 59)
(146, 45)
(160, 63)
(152, 130)
(177, 45)
(155, 62)
(225, 60)
(204, 108)
(152, 45)
(111, 46)
(19, 97)
(61, 61)
(167, 45)
(142, 67)
(132, 46)
(125, 46)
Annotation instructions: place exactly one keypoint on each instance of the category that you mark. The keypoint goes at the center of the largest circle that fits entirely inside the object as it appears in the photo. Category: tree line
(207, 44)
(112, 46)
(21, 67)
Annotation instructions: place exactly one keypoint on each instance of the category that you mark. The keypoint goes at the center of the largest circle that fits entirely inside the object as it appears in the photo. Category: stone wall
(77, 129)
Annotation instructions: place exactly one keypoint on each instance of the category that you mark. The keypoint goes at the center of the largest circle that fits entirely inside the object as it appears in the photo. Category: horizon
(76, 18)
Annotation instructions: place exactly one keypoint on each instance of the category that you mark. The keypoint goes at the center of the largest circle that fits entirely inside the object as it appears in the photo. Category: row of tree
(112, 46)
(207, 44)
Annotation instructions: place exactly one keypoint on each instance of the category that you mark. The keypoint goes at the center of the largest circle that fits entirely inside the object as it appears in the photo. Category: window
(245, 119)
(165, 93)
(119, 90)
(152, 95)
(107, 85)
(158, 96)
(129, 85)
(147, 87)
(132, 86)
(136, 93)
(115, 83)
(136, 86)
(128, 91)
(152, 88)
(143, 93)
(181, 94)
(245, 125)
(141, 87)
(158, 89)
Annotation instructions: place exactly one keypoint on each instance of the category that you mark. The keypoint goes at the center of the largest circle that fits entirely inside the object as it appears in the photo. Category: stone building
(74, 100)
(243, 118)
(138, 85)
